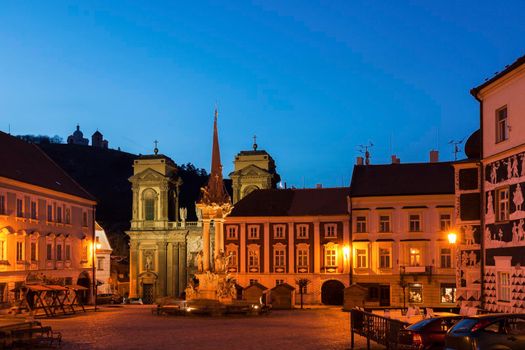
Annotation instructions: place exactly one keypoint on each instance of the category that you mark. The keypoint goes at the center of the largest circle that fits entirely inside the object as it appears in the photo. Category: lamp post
(453, 241)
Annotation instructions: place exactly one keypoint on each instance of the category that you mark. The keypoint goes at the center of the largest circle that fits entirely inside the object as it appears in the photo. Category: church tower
(253, 170)
(157, 246)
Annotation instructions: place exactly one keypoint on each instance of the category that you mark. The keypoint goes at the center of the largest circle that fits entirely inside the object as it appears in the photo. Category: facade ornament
(494, 172)
(518, 197)
(469, 234)
(200, 267)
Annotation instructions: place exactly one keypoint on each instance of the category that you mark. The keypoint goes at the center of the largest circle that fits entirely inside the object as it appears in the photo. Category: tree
(302, 283)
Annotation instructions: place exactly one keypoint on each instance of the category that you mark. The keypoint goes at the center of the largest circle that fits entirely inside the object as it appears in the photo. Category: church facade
(161, 247)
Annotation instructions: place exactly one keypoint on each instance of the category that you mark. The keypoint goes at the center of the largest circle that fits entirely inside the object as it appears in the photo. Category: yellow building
(401, 215)
(46, 221)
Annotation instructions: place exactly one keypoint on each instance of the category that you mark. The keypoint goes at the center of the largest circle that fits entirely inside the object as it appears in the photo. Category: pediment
(251, 170)
(147, 175)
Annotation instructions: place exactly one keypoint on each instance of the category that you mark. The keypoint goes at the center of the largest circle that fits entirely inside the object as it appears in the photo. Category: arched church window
(150, 197)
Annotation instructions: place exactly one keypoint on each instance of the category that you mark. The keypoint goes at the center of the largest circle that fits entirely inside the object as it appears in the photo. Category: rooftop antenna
(255, 142)
(456, 147)
(365, 149)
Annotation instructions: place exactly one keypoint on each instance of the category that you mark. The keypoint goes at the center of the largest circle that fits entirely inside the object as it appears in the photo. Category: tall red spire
(215, 192)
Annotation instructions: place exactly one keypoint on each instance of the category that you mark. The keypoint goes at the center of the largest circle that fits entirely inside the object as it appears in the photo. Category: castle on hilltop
(97, 139)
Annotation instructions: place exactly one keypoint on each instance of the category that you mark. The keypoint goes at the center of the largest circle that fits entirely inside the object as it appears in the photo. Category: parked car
(109, 298)
(134, 301)
(428, 333)
(487, 332)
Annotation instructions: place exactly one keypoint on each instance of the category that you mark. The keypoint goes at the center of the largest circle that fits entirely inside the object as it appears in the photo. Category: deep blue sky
(312, 79)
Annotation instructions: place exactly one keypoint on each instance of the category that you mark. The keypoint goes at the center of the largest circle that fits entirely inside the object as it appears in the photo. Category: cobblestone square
(135, 327)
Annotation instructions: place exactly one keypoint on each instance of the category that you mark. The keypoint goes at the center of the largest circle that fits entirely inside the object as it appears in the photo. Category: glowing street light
(346, 251)
(452, 237)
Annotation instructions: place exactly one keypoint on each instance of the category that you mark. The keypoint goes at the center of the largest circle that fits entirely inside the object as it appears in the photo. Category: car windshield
(465, 325)
(421, 324)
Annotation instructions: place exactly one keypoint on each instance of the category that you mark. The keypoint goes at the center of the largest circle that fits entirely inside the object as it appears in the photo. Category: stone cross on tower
(255, 142)
(156, 150)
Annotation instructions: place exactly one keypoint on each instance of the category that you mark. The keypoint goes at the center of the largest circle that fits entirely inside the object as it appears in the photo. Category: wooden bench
(35, 336)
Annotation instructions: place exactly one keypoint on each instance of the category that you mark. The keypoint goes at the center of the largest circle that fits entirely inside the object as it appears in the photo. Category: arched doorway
(85, 281)
(332, 292)
(148, 282)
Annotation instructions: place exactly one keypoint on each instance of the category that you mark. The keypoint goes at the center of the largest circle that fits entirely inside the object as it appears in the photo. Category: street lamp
(452, 237)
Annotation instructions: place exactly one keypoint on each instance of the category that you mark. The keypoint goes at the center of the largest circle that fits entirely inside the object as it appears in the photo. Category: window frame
(361, 259)
(504, 294)
(232, 232)
(279, 231)
(413, 256)
(253, 231)
(505, 202)
(447, 257)
(302, 231)
(330, 230)
(443, 226)
(502, 124)
(412, 220)
(361, 224)
(382, 257)
(381, 221)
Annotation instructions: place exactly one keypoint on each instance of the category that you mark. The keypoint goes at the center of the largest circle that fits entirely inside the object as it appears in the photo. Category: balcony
(415, 272)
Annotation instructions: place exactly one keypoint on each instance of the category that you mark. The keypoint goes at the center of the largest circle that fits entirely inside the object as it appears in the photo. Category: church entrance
(147, 293)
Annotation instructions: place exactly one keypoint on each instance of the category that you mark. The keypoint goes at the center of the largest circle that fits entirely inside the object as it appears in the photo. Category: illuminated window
(253, 259)
(414, 221)
(360, 224)
(384, 223)
(278, 231)
(331, 230)
(19, 208)
(501, 125)
(415, 257)
(232, 258)
(2, 250)
(504, 286)
(253, 232)
(502, 203)
(19, 251)
(447, 293)
(446, 258)
(302, 258)
(444, 222)
(279, 258)
(302, 231)
(384, 258)
(415, 293)
(361, 258)
(330, 257)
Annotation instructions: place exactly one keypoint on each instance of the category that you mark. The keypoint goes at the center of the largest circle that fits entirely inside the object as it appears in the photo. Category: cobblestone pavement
(135, 327)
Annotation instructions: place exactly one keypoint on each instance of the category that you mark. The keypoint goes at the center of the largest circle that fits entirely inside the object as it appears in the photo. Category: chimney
(319, 186)
(434, 156)
(359, 161)
(395, 160)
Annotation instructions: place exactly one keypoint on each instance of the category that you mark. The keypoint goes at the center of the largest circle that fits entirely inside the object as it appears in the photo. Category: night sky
(312, 79)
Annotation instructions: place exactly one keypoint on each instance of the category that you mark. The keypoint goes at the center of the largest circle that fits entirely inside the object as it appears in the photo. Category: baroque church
(165, 249)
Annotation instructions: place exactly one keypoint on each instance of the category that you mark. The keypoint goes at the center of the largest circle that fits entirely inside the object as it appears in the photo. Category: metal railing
(379, 329)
